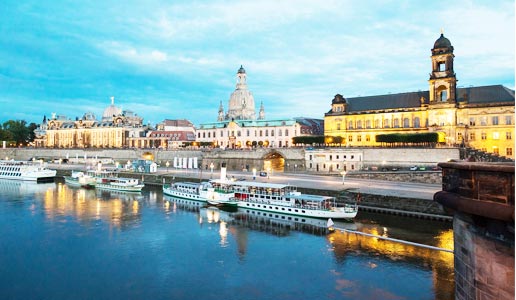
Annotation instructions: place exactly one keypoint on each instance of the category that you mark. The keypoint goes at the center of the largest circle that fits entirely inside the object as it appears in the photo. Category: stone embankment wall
(432, 177)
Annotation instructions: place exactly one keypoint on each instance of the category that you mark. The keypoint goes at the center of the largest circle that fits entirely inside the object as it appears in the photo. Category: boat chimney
(223, 172)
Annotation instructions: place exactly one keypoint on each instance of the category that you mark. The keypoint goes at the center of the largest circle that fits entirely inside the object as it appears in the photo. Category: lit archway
(274, 161)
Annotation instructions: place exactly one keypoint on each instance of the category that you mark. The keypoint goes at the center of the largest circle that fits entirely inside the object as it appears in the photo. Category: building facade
(169, 134)
(477, 117)
(113, 131)
(240, 128)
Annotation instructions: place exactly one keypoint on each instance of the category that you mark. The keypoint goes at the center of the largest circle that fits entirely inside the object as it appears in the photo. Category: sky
(179, 59)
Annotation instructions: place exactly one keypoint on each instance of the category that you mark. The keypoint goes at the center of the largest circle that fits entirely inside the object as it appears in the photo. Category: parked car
(413, 168)
(422, 168)
(263, 174)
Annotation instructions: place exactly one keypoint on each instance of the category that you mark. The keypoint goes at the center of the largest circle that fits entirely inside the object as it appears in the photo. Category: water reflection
(120, 210)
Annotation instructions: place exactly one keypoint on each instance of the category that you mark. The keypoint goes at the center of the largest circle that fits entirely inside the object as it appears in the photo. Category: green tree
(18, 130)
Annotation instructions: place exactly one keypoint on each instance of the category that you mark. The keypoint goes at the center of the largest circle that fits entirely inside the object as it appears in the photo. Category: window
(368, 138)
(496, 135)
(494, 120)
(368, 124)
(238, 133)
(472, 136)
(483, 136)
(471, 121)
(350, 125)
(350, 138)
(483, 121)
(248, 132)
(359, 138)
(406, 123)
(209, 134)
(496, 150)
(376, 123)
(331, 157)
(417, 123)
(396, 123)
(286, 132)
(261, 133)
(272, 132)
(444, 96)
(508, 135)
(442, 66)
(214, 134)
(508, 120)
(338, 126)
(459, 136)
(266, 132)
(359, 124)
(508, 151)
(386, 123)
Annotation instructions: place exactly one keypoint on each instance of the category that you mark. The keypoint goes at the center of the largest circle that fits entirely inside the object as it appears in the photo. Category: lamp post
(211, 169)
(254, 173)
(343, 173)
(167, 164)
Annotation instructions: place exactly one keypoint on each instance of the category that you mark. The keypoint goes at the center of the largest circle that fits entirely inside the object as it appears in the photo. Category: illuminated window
(386, 123)
(368, 124)
(495, 150)
(350, 138)
(359, 138)
(508, 135)
(496, 135)
(508, 151)
(359, 124)
(483, 136)
(472, 136)
(350, 125)
(338, 126)
(368, 138)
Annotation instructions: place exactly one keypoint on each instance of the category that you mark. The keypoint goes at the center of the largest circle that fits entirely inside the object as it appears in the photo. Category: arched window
(444, 96)
(406, 123)
(368, 124)
(279, 132)
(338, 126)
(359, 124)
(350, 125)
(386, 123)
(396, 123)
(376, 123)
(417, 122)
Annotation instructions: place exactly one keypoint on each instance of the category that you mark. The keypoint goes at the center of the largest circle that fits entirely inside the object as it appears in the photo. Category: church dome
(111, 111)
(241, 70)
(442, 42)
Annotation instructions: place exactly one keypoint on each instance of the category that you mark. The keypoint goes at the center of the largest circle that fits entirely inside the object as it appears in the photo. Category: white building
(240, 128)
(334, 160)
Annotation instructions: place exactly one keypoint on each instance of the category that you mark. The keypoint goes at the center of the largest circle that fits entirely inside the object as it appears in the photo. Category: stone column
(481, 195)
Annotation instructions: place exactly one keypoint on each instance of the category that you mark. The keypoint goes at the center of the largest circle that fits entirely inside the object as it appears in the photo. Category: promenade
(303, 180)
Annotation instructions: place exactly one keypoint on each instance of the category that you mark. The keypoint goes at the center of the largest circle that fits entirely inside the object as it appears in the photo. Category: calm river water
(57, 242)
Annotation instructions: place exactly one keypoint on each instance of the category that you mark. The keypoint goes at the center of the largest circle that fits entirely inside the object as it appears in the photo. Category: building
(114, 130)
(240, 128)
(477, 117)
(169, 134)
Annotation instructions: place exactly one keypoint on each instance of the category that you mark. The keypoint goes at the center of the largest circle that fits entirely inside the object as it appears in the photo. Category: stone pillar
(481, 196)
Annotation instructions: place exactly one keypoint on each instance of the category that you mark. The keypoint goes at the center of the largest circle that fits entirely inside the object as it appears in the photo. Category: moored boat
(26, 170)
(203, 192)
(110, 181)
(80, 179)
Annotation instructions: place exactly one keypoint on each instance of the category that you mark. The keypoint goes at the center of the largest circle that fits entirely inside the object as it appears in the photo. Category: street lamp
(211, 168)
(167, 164)
(343, 173)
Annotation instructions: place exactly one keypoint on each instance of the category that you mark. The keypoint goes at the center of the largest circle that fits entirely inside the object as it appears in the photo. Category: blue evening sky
(178, 59)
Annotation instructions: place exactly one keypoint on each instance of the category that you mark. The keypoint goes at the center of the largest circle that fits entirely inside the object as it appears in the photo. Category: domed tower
(442, 80)
(241, 103)
(261, 114)
(111, 111)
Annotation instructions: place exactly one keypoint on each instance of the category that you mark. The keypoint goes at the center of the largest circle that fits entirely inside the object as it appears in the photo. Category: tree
(19, 131)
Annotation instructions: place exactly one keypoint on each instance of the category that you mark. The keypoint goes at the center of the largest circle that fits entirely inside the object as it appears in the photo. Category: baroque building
(169, 134)
(114, 130)
(240, 128)
(478, 117)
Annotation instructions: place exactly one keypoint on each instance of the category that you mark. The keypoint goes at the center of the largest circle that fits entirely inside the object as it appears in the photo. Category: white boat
(25, 170)
(285, 199)
(203, 192)
(80, 179)
(110, 181)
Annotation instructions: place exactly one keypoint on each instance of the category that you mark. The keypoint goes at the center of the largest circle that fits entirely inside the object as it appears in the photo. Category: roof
(174, 135)
(471, 95)
(178, 123)
(252, 183)
(249, 123)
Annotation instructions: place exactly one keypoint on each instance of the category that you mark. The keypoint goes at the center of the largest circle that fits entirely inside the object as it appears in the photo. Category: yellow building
(113, 131)
(477, 117)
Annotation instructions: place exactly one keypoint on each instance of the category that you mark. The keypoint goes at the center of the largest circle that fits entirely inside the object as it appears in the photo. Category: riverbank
(375, 200)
